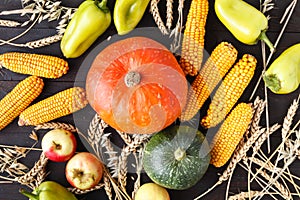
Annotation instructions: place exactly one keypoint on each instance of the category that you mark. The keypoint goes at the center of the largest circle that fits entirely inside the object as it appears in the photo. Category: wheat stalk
(38, 11)
(40, 177)
(98, 140)
(56, 125)
(93, 127)
(113, 160)
(285, 134)
(270, 167)
(257, 109)
(122, 168)
(78, 191)
(288, 120)
(155, 13)
(169, 14)
(125, 137)
(245, 195)
(266, 165)
(9, 157)
(177, 31)
(39, 167)
(139, 167)
(284, 191)
(258, 143)
(239, 154)
(8, 23)
(107, 186)
(43, 42)
(138, 141)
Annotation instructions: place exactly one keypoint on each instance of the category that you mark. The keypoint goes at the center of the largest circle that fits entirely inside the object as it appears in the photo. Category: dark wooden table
(216, 32)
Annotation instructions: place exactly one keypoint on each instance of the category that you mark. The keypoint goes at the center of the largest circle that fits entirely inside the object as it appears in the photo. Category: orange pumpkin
(136, 86)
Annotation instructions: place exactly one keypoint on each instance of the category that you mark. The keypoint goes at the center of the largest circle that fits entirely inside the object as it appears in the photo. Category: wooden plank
(216, 32)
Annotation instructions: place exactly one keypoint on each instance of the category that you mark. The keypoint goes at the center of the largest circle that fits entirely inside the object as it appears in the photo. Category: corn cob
(19, 98)
(34, 64)
(215, 68)
(230, 91)
(230, 134)
(58, 105)
(193, 38)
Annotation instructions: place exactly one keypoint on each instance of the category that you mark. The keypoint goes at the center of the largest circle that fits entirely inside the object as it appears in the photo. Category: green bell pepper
(283, 75)
(90, 20)
(49, 190)
(244, 21)
(128, 13)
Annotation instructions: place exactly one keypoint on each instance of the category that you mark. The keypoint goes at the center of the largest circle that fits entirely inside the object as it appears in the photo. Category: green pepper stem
(29, 195)
(102, 5)
(263, 36)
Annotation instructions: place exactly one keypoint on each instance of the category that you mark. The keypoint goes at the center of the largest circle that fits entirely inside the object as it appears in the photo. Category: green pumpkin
(177, 157)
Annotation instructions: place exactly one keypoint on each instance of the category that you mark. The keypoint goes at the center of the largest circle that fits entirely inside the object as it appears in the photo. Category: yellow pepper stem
(263, 36)
(272, 82)
(29, 195)
(102, 5)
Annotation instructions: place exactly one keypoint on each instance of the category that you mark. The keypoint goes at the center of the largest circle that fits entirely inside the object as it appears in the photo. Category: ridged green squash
(177, 157)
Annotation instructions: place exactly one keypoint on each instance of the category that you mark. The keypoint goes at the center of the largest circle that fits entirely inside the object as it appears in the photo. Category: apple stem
(29, 195)
(57, 146)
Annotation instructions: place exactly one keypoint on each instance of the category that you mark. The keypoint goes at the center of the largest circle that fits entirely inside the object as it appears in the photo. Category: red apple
(59, 145)
(84, 171)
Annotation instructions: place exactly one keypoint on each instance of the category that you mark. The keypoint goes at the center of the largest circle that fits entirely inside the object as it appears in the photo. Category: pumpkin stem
(180, 154)
(132, 78)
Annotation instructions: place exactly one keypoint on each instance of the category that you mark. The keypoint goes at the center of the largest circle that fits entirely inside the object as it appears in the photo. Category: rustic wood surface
(216, 32)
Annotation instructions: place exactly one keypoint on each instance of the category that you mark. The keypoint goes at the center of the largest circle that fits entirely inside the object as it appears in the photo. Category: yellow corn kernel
(34, 64)
(215, 68)
(19, 98)
(193, 38)
(58, 105)
(230, 91)
(230, 134)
